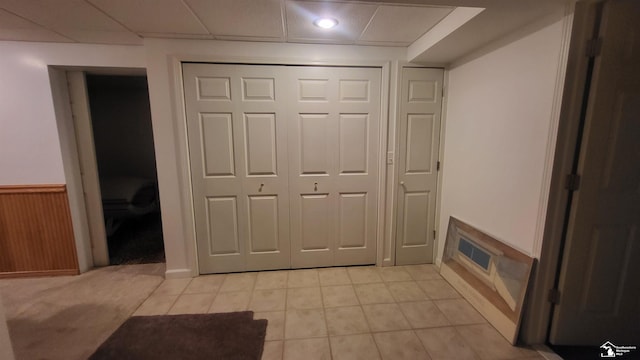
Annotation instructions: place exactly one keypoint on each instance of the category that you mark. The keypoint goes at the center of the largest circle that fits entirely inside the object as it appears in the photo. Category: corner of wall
(567, 22)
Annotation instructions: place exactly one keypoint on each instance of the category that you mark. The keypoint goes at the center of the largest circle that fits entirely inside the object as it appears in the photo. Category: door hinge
(554, 296)
(434, 234)
(572, 183)
(593, 47)
(438, 166)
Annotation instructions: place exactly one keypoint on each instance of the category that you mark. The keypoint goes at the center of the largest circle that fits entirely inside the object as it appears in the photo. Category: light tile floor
(366, 312)
(404, 312)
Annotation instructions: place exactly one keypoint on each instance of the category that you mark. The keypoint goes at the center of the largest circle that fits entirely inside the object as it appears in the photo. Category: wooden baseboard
(36, 232)
(23, 274)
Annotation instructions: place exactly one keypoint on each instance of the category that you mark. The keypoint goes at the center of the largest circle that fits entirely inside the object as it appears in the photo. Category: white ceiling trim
(458, 17)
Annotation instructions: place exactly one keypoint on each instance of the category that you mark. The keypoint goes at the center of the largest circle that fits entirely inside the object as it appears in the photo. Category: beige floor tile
(68, 317)
(230, 301)
(406, 291)
(394, 273)
(364, 275)
(488, 343)
(423, 314)
(307, 349)
(438, 289)
(398, 345)
(304, 298)
(273, 350)
(192, 304)
(156, 305)
(268, 300)
(205, 284)
(271, 280)
(300, 324)
(303, 278)
(529, 352)
(346, 320)
(238, 282)
(423, 272)
(354, 347)
(533, 357)
(334, 276)
(445, 344)
(373, 294)
(275, 326)
(385, 317)
(339, 295)
(172, 287)
(459, 312)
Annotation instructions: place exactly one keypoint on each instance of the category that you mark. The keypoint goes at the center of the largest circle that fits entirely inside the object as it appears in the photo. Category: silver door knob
(402, 183)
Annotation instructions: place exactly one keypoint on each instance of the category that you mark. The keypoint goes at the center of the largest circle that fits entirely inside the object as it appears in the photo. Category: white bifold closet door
(237, 136)
(334, 117)
(284, 165)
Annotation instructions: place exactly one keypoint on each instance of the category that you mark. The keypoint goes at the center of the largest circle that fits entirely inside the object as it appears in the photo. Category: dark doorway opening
(123, 138)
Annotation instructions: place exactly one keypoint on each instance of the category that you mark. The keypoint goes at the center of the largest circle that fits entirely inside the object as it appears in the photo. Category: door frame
(538, 313)
(384, 245)
(76, 137)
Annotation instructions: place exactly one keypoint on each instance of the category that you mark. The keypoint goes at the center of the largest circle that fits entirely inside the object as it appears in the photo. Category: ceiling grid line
(368, 23)
(195, 15)
(38, 25)
(283, 15)
(88, 2)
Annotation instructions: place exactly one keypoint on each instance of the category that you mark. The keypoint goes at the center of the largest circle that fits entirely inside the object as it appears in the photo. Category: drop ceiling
(384, 23)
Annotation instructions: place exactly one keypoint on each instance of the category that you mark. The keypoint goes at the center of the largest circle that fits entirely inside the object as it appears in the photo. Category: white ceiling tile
(152, 16)
(13, 27)
(62, 14)
(403, 24)
(240, 18)
(352, 19)
(72, 18)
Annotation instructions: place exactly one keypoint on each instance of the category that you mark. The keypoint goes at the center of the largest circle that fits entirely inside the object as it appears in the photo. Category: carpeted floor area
(232, 336)
(137, 241)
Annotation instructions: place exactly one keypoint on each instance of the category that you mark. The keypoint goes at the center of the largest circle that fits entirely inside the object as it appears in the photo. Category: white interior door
(600, 291)
(334, 122)
(238, 152)
(419, 141)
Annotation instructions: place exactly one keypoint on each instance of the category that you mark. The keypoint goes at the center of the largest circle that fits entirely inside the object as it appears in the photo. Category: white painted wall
(6, 349)
(500, 123)
(497, 126)
(163, 73)
(29, 143)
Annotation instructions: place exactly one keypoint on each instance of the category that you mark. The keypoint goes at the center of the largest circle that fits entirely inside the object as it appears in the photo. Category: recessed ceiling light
(325, 23)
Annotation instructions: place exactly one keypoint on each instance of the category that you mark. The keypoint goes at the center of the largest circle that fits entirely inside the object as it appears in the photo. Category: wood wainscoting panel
(36, 233)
